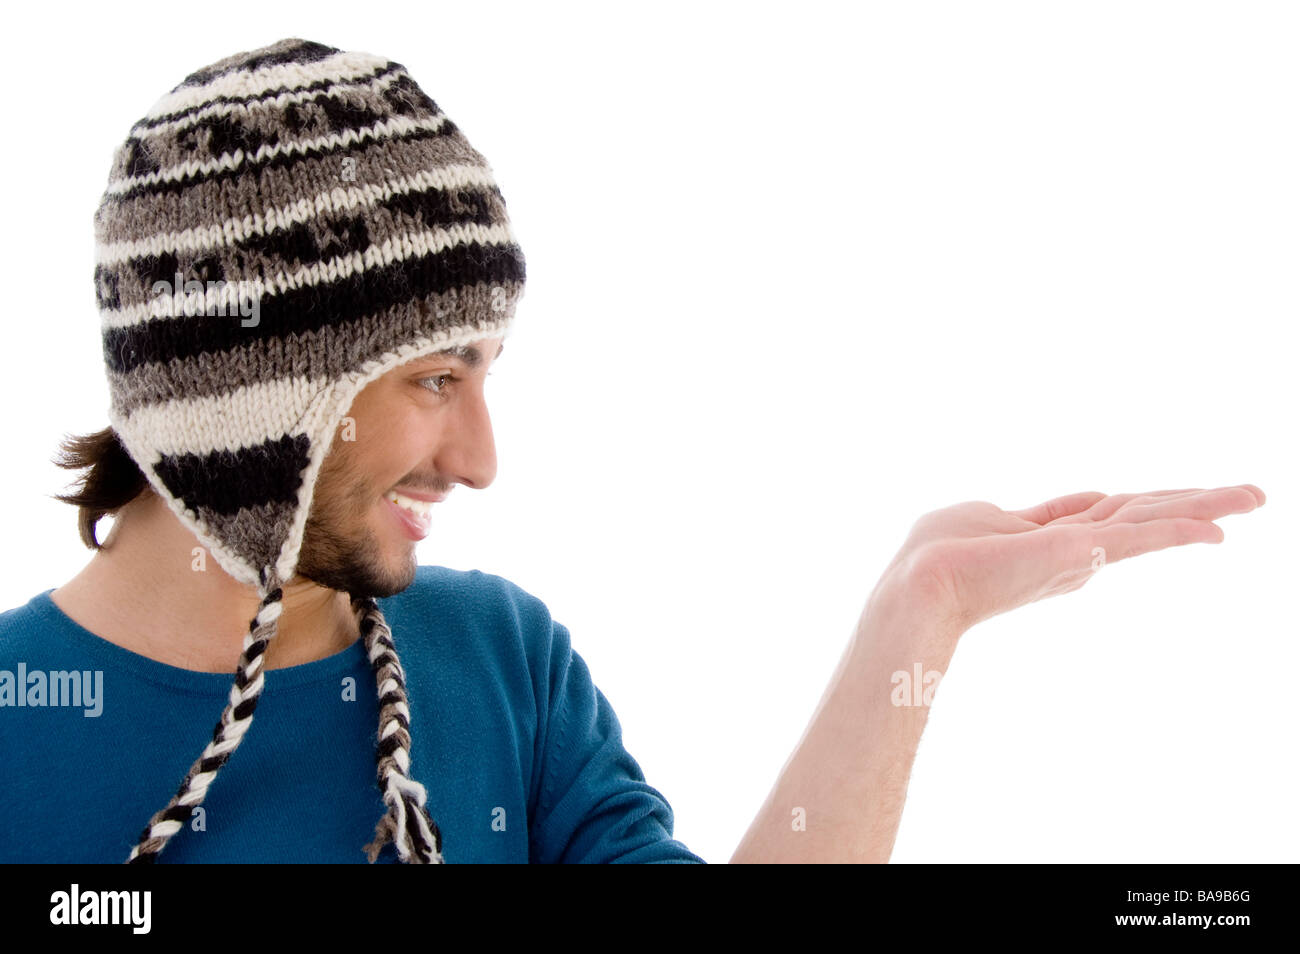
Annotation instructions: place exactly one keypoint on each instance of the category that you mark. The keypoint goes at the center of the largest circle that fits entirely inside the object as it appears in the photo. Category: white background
(798, 274)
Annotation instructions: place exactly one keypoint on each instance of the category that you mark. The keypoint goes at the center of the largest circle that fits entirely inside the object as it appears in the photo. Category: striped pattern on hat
(354, 225)
(281, 229)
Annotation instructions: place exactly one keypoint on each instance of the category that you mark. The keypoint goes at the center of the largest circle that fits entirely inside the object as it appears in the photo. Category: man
(299, 443)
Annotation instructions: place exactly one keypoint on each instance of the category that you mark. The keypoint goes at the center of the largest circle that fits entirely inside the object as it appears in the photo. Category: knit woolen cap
(282, 228)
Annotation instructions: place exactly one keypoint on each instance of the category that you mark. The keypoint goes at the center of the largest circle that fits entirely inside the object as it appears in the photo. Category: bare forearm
(839, 797)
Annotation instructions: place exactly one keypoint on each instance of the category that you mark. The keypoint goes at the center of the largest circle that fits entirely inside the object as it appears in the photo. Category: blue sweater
(521, 754)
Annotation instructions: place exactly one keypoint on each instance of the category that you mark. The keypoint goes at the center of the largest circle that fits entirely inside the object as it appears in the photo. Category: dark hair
(112, 479)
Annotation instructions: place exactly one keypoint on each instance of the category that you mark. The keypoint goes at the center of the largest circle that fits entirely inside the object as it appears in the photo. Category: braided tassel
(229, 731)
(407, 823)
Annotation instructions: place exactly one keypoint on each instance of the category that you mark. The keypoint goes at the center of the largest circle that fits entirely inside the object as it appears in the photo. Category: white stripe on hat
(337, 68)
(244, 417)
(334, 200)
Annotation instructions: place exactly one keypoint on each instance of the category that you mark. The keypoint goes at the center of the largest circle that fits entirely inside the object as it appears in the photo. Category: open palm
(974, 560)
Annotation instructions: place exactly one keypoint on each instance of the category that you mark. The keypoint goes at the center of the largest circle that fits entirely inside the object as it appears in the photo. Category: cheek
(388, 451)
(385, 433)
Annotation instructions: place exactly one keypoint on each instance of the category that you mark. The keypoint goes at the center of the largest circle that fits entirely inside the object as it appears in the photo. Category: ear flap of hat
(236, 490)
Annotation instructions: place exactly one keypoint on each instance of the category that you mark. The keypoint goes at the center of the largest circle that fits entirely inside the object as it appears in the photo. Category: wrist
(903, 613)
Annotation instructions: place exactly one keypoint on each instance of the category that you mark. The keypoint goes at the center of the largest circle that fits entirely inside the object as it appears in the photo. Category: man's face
(419, 430)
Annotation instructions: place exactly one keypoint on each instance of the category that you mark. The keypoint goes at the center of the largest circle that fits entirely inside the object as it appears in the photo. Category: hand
(972, 560)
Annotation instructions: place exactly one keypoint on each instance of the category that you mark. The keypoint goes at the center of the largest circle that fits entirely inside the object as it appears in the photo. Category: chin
(371, 567)
(385, 577)
(402, 576)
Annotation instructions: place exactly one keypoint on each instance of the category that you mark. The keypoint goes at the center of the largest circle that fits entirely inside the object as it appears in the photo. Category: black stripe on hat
(312, 307)
(227, 481)
(227, 133)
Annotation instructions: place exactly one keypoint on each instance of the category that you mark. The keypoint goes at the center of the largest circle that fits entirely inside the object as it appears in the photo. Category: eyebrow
(467, 353)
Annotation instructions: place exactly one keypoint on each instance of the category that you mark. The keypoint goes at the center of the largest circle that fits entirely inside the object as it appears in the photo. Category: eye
(441, 388)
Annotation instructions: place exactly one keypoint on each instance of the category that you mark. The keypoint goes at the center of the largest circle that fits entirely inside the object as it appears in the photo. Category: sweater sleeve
(595, 805)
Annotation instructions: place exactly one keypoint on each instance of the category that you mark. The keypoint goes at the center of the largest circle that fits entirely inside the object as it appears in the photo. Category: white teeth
(422, 508)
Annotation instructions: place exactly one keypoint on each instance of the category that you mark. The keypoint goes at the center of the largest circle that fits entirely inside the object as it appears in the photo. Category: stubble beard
(338, 551)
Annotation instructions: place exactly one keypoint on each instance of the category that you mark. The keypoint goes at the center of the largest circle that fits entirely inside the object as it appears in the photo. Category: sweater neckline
(343, 662)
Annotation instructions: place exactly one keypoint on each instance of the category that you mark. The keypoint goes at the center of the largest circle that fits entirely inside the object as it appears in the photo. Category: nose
(467, 453)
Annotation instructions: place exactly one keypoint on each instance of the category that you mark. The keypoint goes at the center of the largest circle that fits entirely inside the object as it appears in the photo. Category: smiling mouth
(414, 516)
(421, 508)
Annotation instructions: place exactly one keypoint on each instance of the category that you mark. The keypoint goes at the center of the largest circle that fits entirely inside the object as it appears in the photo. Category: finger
(1123, 540)
(1106, 508)
(1059, 507)
(1206, 505)
(1259, 494)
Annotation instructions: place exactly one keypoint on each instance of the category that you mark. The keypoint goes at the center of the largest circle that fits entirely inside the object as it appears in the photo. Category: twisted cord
(406, 823)
(228, 733)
